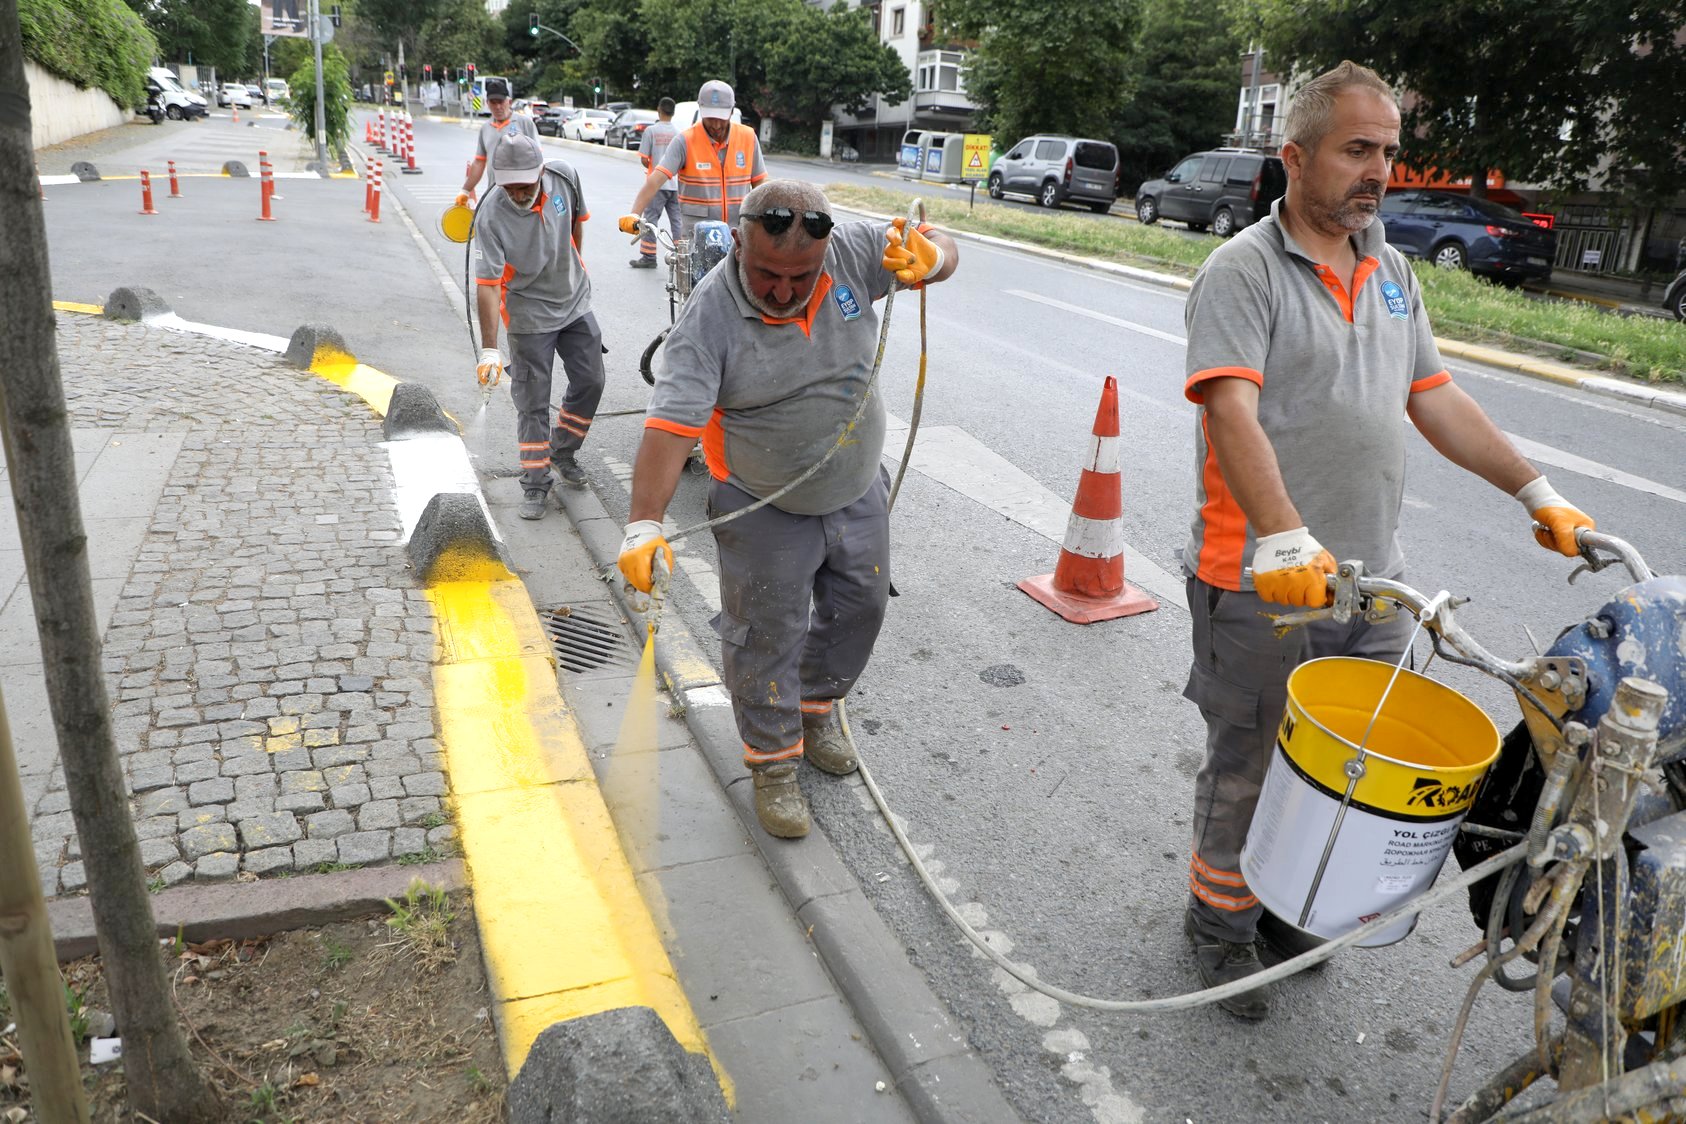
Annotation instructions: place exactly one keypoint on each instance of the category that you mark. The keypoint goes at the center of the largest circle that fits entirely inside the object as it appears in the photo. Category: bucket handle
(1354, 768)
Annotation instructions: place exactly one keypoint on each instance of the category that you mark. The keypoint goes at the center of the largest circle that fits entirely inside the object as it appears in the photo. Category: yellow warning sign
(974, 164)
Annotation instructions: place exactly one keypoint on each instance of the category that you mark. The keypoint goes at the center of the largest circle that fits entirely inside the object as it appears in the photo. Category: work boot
(1278, 941)
(1220, 962)
(778, 800)
(824, 745)
(567, 469)
(532, 504)
(642, 263)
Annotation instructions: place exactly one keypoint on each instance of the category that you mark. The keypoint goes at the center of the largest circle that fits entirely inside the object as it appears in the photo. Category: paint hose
(1193, 999)
(916, 208)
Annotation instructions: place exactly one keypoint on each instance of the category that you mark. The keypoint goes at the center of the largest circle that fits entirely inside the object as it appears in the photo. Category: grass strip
(1460, 306)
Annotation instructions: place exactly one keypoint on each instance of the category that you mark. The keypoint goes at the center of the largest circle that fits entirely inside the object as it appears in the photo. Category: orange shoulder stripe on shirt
(1194, 380)
(691, 431)
(1223, 525)
(1439, 378)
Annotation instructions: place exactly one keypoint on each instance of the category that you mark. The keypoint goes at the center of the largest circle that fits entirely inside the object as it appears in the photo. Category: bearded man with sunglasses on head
(767, 365)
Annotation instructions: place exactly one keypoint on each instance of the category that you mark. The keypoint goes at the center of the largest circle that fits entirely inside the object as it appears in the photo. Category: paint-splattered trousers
(802, 599)
(532, 354)
(662, 203)
(1239, 680)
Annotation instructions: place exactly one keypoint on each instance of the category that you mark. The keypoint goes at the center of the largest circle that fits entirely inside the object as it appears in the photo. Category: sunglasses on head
(777, 220)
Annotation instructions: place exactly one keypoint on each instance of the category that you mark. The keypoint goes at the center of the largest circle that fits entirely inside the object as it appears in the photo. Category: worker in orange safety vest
(715, 161)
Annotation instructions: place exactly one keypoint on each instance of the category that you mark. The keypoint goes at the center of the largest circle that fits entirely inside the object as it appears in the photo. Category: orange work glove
(1558, 518)
(918, 259)
(464, 199)
(638, 553)
(628, 224)
(490, 368)
(1292, 568)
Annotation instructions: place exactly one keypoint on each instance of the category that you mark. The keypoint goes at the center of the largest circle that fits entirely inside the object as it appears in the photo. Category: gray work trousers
(802, 598)
(662, 203)
(532, 355)
(1239, 680)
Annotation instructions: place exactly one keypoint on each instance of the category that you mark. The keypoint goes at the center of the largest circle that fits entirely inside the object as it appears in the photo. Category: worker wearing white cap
(715, 161)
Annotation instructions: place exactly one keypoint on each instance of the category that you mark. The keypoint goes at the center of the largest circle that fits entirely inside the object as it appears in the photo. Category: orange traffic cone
(236, 110)
(1087, 584)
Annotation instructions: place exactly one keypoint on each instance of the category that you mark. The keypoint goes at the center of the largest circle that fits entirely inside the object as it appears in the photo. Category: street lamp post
(321, 117)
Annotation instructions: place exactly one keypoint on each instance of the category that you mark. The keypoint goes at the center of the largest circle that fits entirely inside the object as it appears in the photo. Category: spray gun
(651, 604)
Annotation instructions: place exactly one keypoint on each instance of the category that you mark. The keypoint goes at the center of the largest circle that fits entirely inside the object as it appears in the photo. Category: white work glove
(638, 554)
(490, 368)
(1290, 568)
(1558, 518)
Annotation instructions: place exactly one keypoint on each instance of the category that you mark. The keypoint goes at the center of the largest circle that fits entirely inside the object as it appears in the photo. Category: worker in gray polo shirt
(503, 124)
(652, 146)
(527, 261)
(767, 366)
(1308, 347)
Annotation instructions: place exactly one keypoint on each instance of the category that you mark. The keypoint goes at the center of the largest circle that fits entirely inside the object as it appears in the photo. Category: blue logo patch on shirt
(558, 204)
(1395, 297)
(740, 160)
(846, 302)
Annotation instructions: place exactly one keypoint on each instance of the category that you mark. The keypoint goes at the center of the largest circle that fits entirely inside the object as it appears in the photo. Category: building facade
(939, 101)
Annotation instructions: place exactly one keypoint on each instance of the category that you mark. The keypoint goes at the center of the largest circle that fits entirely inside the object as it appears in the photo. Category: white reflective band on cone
(1103, 454)
(1094, 538)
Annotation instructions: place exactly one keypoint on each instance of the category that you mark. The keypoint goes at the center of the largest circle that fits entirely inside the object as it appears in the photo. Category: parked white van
(179, 104)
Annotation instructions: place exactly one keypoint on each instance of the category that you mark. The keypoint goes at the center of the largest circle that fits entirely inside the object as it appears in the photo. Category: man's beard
(774, 311)
(1350, 215)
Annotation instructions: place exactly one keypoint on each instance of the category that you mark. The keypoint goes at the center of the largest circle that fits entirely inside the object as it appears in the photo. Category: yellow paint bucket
(1341, 836)
(457, 223)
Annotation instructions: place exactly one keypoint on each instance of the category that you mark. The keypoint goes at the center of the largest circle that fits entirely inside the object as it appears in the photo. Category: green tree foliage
(1186, 73)
(461, 32)
(202, 32)
(1043, 67)
(1545, 90)
(336, 98)
(816, 59)
(93, 43)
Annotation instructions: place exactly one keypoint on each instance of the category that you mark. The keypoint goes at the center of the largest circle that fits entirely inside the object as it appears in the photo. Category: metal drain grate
(588, 637)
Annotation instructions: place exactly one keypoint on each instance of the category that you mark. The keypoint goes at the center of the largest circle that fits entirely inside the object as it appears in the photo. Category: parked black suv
(1225, 189)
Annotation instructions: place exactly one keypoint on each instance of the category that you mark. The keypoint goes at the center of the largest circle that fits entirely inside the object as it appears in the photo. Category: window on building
(939, 71)
(898, 22)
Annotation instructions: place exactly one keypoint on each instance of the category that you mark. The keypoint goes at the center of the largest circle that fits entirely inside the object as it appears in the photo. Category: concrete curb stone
(308, 339)
(413, 410)
(942, 1078)
(621, 1066)
(135, 302)
(454, 541)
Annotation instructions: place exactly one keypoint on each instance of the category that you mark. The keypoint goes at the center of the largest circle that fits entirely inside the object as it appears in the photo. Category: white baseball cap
(716, 100)
(518, 160)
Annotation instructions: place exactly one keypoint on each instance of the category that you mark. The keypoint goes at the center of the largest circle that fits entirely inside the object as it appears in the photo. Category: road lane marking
(1557, 458)
(954, 458)
(1129, 325)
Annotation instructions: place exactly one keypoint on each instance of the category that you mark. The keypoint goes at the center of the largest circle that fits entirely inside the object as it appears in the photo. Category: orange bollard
(175, 188)
(236, 110)
(146, 194)
(410, 168)
(375, 204)
(368, 186)
(266, 186)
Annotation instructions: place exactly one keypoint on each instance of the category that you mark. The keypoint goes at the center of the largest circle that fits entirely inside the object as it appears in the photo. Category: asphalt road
(1055, 800)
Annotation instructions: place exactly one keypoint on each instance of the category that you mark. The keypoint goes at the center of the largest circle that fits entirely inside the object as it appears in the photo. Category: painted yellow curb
(85, 309)
(343, 370)
(1540, 368)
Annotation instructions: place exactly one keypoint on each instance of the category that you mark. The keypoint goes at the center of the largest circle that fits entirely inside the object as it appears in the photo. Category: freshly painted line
(170, 320)
(1557, 458)
(1128, 325)
(84, 309)
(423, 467)
(956, 459)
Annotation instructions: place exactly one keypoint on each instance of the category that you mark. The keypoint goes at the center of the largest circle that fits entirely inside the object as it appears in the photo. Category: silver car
(1059, 169)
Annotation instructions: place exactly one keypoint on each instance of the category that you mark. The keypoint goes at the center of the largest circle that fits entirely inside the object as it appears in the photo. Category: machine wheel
(646, 360)
(173, 113)
(1147, 211)
(1223, 222)
(1049, 196)
(1449, 255)
(995, 189)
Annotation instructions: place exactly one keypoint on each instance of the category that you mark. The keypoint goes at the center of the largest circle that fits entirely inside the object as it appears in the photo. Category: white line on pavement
(1101, 316)
(1557, 458)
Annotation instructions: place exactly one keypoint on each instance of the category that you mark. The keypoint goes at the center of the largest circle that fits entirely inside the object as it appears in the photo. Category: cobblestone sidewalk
(269, 657)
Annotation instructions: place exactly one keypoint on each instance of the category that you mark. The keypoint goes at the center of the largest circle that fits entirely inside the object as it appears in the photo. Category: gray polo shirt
(1334, 374)
(486, 140)
(653, 145)
(530, 252)
(769, 398)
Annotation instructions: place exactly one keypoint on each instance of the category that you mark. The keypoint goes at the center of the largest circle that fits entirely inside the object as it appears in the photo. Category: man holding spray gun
(1308, 346)
(767, 365)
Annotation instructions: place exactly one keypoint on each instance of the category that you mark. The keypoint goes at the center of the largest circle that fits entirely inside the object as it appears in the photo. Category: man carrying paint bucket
(767, 365)
(503, 124)
(530, 274)
(1308, 344)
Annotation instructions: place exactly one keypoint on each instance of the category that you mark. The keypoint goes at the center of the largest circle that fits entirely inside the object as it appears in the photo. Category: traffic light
(427, 72)
(533, 25)
(471, 72)
(462, 77)
(597, 85)
(334, 14)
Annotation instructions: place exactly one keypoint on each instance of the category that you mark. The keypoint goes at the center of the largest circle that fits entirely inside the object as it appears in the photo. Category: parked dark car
(1456, 232)
(1675, 299)
(1225, 189)
(627, 129)
(550, 118)
(1059, 169)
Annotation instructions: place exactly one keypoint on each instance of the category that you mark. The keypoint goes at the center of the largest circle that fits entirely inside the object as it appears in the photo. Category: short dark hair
(665, 107)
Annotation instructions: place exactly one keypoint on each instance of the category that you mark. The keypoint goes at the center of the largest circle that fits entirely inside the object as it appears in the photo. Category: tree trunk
(162, 1080)
(1478, 184)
